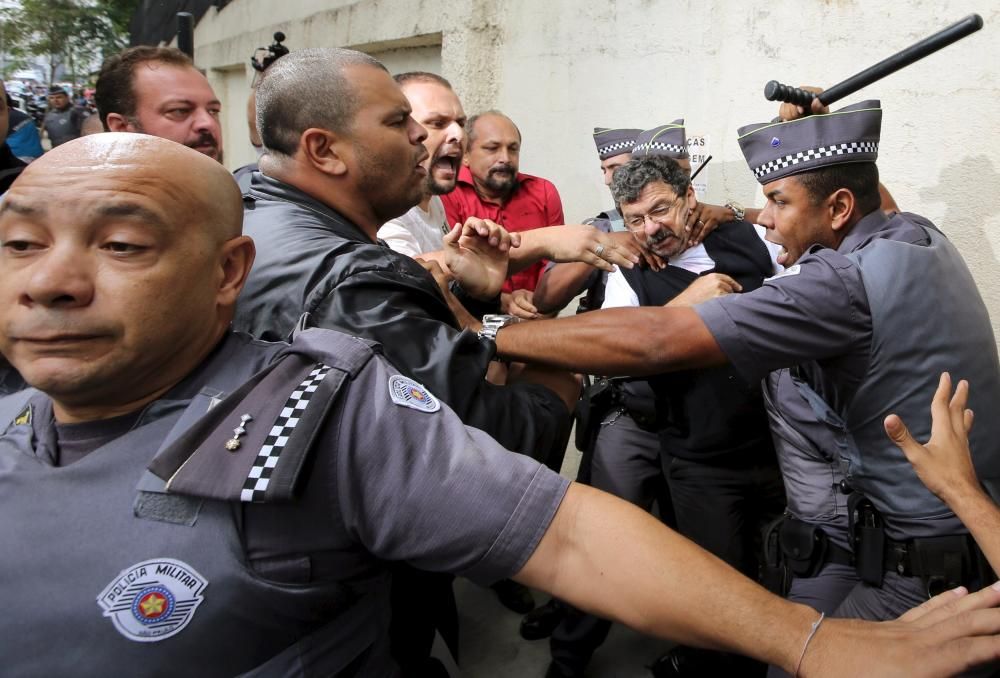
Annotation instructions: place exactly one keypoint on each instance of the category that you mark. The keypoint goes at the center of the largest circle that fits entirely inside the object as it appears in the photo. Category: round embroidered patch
(153, 600)
(408, 393)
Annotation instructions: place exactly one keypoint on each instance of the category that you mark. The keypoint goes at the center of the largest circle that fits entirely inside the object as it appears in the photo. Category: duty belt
(930, 556)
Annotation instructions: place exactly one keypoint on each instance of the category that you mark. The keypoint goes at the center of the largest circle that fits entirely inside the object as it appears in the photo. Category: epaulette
(252, 446)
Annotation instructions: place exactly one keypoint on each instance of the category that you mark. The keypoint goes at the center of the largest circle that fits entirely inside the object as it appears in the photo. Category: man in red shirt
(490, 187)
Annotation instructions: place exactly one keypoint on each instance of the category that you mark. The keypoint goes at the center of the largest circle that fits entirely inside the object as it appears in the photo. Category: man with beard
(491, 187)
(437, 108)
(419, 232)
(158, 91)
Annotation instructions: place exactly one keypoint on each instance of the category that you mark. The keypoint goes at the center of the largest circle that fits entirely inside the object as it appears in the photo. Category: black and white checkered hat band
(853, 147)
(660, 146)
(267, 459)
(616, 148)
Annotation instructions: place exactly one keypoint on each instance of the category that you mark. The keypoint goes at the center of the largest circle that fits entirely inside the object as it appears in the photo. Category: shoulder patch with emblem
(153, 600)
(408, 393)
(791, 270)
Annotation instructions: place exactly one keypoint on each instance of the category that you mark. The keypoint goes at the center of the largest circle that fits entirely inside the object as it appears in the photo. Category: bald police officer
(869, 306)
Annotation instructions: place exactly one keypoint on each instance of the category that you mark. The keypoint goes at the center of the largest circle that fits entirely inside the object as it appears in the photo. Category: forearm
(559, 285)
(982, 516)
(610, 558)
(615, 342)
(534, 247)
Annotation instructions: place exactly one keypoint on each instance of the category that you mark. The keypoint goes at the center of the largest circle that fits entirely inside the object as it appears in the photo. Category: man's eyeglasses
(659, 215)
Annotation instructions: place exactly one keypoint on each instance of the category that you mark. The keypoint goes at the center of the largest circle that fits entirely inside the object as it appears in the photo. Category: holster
(595, 401)
(868, 536)
(803, 547)
(774, 576)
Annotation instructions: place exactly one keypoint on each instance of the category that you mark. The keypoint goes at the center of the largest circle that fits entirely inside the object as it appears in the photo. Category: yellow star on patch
(152, 605)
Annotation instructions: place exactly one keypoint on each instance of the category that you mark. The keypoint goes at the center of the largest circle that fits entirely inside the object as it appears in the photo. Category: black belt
(930, 556)
(837, 555)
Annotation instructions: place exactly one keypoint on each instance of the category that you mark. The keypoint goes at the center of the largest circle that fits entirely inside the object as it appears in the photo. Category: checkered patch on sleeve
(270, 452)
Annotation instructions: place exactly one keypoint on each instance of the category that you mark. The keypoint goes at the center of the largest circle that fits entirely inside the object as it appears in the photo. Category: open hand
(704, 288)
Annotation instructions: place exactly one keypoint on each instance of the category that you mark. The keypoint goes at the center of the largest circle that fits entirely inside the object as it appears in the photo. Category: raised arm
(945, 465)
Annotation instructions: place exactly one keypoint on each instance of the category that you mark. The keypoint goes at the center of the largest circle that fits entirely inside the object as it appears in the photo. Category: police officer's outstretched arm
(945, 465)
(654, 580)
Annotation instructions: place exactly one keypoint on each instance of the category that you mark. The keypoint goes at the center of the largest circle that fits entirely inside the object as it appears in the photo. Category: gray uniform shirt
(385, 481)
(817, 318)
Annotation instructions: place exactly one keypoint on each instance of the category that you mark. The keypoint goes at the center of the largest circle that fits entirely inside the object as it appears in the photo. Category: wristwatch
(493, 322)
(738, 210)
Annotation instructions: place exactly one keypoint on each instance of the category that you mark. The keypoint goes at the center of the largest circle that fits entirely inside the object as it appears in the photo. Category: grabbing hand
(579, 242)
(520, 303)
(476, 254)
(704, 288)
(943, 463)
(626, 242)
(704, 219)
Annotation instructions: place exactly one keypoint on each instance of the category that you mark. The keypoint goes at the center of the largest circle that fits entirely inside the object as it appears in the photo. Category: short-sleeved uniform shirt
(815, 314)
(534, 204)
(385, 482)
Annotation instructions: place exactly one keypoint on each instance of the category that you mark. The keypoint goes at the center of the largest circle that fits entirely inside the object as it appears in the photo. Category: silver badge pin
(233, 443)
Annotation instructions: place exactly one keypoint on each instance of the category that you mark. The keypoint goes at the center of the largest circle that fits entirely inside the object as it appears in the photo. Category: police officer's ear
(841, 204)
(235, 259)
(325, 151)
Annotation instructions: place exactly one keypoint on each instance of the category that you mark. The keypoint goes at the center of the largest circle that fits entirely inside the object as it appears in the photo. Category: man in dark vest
(714, 447)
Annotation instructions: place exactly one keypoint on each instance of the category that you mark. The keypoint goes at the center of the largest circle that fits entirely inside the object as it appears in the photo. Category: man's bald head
(198, 187)
(120, 267)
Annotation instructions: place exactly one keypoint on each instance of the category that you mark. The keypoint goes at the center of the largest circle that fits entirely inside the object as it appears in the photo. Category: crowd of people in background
(277, 413)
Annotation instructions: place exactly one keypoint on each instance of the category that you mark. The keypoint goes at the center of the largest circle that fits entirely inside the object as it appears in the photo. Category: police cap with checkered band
(612, 142)
(669, 140)
(777, 150)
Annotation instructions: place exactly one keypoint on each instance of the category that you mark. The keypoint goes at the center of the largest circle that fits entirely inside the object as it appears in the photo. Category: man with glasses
(715, 447)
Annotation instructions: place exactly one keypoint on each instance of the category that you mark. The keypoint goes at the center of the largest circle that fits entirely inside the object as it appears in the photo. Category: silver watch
(493, 322)
(738, 210)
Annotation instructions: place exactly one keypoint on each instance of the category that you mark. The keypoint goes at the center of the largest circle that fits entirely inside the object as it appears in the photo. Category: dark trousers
(723, 508)
(422, 603)
(625, 461)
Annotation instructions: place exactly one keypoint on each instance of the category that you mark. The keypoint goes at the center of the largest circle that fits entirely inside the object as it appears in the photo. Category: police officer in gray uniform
(869, 310)
(182, 500)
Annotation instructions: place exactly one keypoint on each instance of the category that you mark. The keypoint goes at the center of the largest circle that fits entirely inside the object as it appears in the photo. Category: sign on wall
(698, 149)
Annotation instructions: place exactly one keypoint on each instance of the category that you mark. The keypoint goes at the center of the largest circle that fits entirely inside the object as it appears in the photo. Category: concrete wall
(561, 67)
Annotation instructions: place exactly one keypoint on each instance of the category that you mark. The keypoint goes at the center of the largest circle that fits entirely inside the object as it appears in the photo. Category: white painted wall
(561, 67)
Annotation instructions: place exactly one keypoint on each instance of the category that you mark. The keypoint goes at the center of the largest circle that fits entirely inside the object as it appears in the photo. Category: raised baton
(775, 91)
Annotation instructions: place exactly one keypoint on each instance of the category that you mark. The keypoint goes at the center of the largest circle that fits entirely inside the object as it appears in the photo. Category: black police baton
(775, 91)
